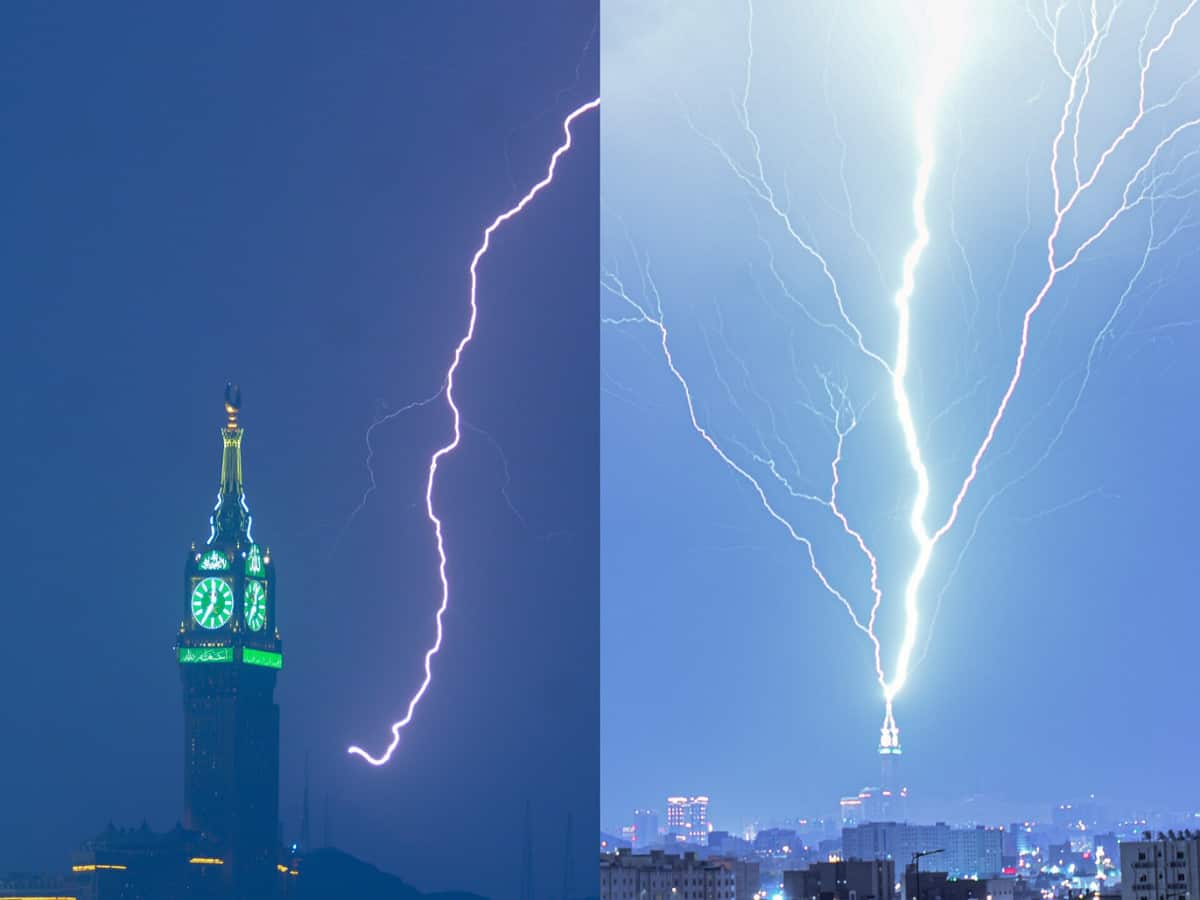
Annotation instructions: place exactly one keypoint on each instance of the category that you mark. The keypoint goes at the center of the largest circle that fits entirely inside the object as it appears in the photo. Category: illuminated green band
(262, 658)
(205, 654)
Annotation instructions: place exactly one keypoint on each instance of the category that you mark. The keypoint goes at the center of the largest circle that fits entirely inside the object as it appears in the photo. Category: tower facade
(893, 795)
(229, 654)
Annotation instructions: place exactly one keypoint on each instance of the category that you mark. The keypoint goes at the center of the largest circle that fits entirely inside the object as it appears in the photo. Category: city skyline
(1079, 849)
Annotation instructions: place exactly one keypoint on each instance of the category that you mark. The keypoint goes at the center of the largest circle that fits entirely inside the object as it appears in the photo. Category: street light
(917, 865)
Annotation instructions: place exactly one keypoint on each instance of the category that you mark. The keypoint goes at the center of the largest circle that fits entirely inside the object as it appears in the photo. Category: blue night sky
(1064, 640)
(288, 197)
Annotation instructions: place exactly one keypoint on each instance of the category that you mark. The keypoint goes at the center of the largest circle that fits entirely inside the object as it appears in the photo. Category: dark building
(920, 885)
(747, 877)
(658, 875)
(722, 843)
(142, 864)
(229, 655)
(851, 879)
(777, 842)
(645, 828)
(33, 886)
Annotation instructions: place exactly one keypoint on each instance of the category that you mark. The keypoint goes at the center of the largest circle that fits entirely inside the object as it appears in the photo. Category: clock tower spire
(231, 520)
(230, 654)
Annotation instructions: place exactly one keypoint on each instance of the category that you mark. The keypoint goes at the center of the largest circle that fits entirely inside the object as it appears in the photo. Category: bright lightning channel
(948, 27)
(946, 21)
(944, 24)
(1072, 107)
(448, 448)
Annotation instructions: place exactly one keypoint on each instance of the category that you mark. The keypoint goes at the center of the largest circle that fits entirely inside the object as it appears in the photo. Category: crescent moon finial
(233, 403)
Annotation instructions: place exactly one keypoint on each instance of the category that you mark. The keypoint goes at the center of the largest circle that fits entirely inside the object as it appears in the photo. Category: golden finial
(233, 402)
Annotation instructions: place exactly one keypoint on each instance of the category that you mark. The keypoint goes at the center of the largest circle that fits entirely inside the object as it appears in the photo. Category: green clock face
(256, 605)
(212, 602)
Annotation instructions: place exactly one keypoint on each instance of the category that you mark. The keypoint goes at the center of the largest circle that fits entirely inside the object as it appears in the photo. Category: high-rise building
(1163, 869)
(229, 654)
(645, 828)
(687, 819)
(890, 754)
(967, 852)
(853, 879)
(887, 801)
(852, 811)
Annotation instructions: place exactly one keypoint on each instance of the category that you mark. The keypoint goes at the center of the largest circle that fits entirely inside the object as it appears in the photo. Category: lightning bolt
(1146, 179)
(644, 314)
(372, 484)
(948, 31)
(456, 416)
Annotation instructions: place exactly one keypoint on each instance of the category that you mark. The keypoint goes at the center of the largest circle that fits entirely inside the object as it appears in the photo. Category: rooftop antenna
(305, 827)
(568, 862)
(328, 825)
(527, 856)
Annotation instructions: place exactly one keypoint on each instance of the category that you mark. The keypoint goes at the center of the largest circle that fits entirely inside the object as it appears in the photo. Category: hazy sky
(289, 198)
(1064, 638)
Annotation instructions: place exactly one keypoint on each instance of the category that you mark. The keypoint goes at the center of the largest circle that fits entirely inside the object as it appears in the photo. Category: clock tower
(229, 656)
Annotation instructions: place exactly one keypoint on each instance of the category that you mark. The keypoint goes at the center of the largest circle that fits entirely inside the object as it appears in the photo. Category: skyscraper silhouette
(229, 655)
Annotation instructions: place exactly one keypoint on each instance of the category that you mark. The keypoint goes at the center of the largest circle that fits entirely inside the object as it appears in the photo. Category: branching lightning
(457, 420)
(371, 482)
(1144, 175)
